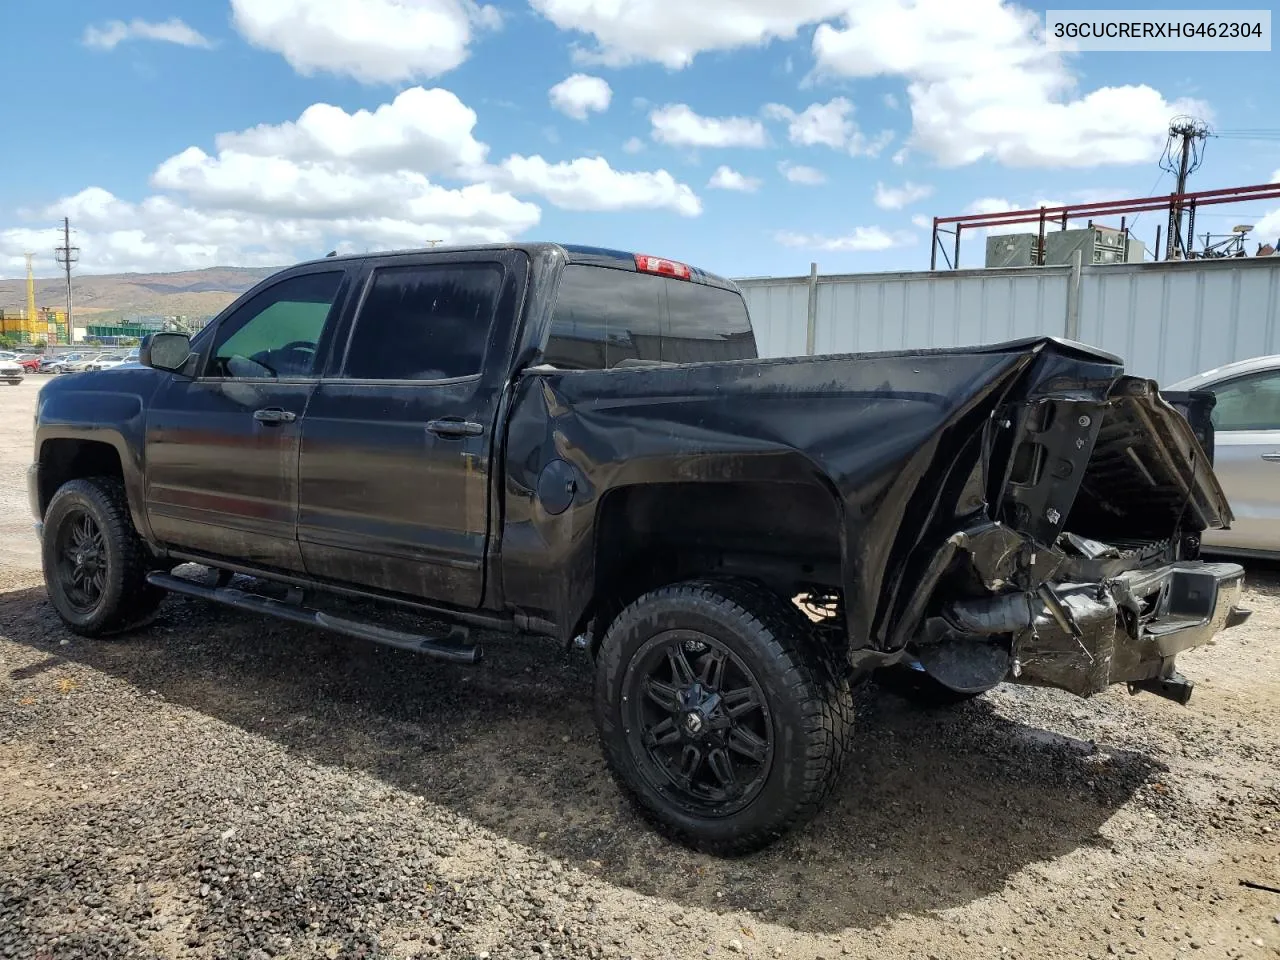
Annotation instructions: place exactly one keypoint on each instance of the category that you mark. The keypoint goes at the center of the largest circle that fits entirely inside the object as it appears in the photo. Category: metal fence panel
(779, 315)
(1172, 320)
(910, 311)
(1167, 320)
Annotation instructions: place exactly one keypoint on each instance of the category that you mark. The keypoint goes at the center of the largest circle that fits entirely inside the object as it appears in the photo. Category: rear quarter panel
(874, 431)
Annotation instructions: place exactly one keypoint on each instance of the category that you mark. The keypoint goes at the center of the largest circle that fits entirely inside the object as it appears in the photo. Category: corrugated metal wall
(1168, 320)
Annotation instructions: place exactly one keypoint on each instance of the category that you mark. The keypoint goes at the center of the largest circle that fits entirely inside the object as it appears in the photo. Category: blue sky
(746, 136)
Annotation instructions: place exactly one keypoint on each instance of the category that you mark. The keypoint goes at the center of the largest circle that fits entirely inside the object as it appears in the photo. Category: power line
(1151, 192)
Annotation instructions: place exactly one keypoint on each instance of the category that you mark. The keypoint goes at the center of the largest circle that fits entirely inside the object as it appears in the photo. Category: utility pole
(67, 255)
(1182, 155)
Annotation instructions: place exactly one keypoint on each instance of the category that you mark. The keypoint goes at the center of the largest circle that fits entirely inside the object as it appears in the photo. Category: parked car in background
(82, 362)
(1246, 444)
(60, 363)
(30, 362)
(11, 371)
(106, 361)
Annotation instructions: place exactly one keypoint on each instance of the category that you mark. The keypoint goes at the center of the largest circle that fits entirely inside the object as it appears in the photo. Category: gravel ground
(225, 786)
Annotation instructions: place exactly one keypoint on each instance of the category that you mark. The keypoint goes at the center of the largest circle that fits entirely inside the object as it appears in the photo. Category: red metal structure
(1051, 217)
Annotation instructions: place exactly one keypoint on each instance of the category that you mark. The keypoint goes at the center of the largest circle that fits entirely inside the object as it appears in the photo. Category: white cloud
(891, 101)
(580, 94)
(1267, 228)
(921, 221)
(374, 41)
(828, 124)
(726, 178)
(425, 130)
(331, 179)
(589, 183)
(678, 125)
(285, 188)
(860, 239)
(633, 145)
(672, 33)
(797, 173)
(860, 146)
(982, 83)
(900, 157)
(114, 32)
(895, 198)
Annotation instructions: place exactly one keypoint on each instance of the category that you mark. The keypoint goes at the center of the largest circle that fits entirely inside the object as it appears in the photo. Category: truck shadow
(934, 810)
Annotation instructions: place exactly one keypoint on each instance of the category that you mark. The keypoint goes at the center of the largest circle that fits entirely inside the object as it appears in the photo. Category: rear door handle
(274, 415)
(455, 428)
(1272, 457)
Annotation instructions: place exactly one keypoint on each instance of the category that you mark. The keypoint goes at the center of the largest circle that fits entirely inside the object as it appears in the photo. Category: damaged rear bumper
(1083, 637)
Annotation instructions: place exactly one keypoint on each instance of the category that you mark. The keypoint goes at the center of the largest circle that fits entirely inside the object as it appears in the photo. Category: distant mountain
(191, 293)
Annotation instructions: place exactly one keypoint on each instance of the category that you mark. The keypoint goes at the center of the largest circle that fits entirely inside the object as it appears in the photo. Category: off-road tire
(922, 690)
(806, 689)
(126, 600)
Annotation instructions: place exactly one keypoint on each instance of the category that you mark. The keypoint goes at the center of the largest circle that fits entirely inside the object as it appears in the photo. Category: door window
(276, 333)
(1248, 403)
(425, 322)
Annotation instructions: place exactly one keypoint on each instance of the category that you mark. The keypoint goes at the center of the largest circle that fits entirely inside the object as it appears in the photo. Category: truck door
(398, 438)
(222, 446)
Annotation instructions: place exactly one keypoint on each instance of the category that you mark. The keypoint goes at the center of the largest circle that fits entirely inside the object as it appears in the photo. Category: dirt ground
(224, 786)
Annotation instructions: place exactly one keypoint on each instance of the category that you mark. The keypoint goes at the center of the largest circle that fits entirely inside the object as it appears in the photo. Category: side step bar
(451, 648)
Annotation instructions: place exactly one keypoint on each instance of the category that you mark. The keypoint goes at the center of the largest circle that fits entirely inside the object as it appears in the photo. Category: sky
(747, 137)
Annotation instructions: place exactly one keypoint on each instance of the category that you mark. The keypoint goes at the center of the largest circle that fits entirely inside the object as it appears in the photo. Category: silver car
(1246, 452)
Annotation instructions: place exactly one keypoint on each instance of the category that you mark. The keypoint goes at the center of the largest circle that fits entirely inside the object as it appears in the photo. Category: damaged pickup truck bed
(581, 443)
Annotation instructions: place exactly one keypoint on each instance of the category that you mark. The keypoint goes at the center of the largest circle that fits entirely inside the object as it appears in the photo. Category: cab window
(276, 333)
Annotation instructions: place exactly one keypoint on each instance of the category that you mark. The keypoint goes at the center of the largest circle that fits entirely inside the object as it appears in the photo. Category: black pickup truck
(581, 443)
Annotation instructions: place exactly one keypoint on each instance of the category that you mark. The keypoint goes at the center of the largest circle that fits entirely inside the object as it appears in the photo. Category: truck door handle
(455, 428)
(274, 415)
(1272, 457)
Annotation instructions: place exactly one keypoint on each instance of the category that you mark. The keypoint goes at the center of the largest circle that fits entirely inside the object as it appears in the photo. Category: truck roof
(572, 252)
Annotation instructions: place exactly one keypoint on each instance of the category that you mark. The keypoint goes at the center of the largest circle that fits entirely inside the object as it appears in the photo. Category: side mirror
(164, 351)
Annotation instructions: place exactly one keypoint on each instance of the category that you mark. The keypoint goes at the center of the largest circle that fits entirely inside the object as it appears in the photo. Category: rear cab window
(607, 317)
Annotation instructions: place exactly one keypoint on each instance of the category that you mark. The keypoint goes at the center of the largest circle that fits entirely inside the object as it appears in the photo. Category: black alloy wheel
(698, 725)
(95, 564)
(81, 560)
(720, 713)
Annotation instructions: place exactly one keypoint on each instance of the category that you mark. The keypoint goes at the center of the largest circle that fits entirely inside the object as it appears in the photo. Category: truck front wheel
(95, 564)
(721, 713)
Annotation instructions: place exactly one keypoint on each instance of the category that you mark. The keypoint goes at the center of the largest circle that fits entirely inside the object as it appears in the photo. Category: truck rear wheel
(95, 564)
(721, 713)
